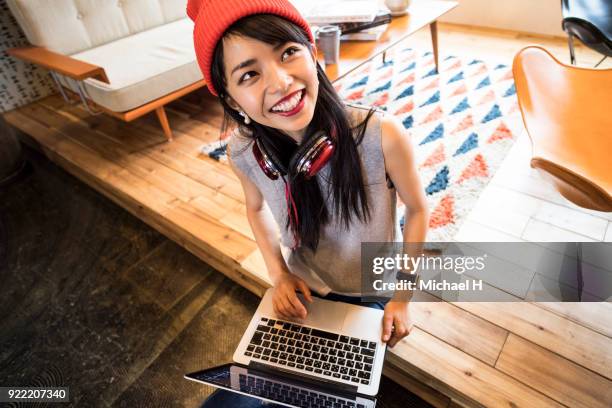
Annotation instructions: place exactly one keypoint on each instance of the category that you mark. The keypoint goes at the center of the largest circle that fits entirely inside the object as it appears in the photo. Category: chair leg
(570, 42)
(580, 278)
(600, 61)
(433, 28)
(163, 120)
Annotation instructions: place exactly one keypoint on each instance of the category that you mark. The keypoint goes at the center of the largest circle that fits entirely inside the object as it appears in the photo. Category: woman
(323, 173)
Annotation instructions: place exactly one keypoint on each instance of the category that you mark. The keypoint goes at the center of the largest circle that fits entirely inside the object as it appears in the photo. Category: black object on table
(591, 22)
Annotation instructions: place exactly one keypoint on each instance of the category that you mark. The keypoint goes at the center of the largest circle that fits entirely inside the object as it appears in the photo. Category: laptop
(335, 352)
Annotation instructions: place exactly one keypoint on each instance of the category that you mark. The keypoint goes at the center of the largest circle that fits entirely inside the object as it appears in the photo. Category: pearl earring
(247, 120)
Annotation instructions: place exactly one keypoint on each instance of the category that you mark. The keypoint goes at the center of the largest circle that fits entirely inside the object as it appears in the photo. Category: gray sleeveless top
(336, 264)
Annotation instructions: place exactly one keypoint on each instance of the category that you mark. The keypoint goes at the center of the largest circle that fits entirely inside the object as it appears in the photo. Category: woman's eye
(246, 76)
(290, 51)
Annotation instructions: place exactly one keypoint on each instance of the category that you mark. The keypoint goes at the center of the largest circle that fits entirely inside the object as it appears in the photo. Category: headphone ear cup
(267, 160)
(320, 159)
(312, 155)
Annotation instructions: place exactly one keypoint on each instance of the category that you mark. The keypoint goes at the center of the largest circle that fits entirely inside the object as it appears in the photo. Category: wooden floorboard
(461, 376)
(551, 331)
(554, 375)
(475, 354)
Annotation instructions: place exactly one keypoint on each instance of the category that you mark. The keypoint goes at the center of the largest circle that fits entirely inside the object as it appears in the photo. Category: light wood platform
(473, 354)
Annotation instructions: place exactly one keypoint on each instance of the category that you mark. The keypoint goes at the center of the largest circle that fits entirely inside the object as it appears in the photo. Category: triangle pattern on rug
(461, 89)
(381, 88)
(435, 134)
(434, 84)
(439, 182)
(468, 144)
(408, 80)
(382, 100)
(406, 92)
(386, 75)
(444, 213)
(435, 114)
(465, 124)
(405, 109)
(359, 83)
(457, 77)
(456, 65)
(463, 105)
(481, 70)
(432, 99)
(355, 95)
(494, 113)
(488, 97)
(436, 157)
(501, 132)
(477, 168)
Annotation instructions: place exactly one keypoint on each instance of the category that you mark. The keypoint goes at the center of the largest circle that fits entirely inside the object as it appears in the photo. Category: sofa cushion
(70, 26)
(142, 67)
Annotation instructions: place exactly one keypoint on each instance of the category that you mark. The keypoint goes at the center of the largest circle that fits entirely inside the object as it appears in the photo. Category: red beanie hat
(213, 17)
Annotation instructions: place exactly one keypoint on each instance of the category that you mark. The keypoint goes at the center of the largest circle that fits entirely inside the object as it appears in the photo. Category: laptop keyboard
(287, 394)
(316, 351)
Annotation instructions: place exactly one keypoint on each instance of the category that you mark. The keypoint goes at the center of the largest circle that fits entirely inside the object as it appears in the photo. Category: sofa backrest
(71, 26)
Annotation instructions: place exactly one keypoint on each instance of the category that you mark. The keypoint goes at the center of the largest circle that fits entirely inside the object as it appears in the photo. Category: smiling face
(275, 85)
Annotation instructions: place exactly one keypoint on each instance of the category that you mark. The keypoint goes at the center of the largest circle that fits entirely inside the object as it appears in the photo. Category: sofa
(125, 58)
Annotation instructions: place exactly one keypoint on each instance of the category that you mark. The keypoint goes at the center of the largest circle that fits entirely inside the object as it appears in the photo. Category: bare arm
(263, 225)
(401, 167)
(265, 230)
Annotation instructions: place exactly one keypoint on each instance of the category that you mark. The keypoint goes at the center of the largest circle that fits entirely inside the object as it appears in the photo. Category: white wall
(532, 16)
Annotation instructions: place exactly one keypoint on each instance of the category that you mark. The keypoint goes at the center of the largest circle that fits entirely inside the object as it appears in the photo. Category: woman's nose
(280, 81)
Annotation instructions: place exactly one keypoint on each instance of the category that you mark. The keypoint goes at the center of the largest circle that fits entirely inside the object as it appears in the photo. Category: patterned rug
(462, 121)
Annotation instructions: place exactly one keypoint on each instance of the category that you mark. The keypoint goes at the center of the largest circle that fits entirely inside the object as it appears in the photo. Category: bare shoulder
(393, 134)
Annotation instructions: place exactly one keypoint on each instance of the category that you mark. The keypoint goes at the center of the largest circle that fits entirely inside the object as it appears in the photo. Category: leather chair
(566, 111)
(591, 22)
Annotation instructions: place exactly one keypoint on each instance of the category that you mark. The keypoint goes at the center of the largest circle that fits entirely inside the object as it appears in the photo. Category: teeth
(288, 105)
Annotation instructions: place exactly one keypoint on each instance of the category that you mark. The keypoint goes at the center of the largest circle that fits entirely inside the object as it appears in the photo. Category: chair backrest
(566, 111)
(71, 26)
(594, 16)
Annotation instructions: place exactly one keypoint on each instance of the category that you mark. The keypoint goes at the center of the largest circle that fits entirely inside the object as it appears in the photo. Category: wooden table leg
(163, 120)
(433, 27)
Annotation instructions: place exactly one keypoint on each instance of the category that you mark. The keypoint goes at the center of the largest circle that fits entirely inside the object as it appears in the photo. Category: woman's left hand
(396, 322)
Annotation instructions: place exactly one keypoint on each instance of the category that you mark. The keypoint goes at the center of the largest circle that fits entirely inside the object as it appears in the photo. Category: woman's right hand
(284, 298)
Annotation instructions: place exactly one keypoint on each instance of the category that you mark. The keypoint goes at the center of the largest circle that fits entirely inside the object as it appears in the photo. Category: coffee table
(353, 54)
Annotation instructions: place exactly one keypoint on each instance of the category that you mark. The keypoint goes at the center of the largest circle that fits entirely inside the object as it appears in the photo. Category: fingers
(305, 290)
(387, 326)
(396, 324)
(399, 333)
(286, 304)
(279, 309)
(296, 305)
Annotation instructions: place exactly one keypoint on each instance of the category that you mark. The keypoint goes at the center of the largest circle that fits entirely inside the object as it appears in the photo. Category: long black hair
(347, 188)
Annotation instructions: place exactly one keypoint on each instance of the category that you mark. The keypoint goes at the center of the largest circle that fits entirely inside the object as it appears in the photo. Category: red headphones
(310, 157)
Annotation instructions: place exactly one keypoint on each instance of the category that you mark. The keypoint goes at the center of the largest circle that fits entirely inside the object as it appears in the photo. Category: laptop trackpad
(363, 322)
(325, 314)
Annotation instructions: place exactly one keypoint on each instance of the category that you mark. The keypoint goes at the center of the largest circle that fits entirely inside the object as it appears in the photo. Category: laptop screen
(270, 387)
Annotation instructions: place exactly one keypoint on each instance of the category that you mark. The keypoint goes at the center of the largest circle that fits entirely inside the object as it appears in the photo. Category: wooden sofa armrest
(62, 64)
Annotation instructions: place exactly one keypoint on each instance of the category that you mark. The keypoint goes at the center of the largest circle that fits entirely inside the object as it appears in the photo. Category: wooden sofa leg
(163, 120)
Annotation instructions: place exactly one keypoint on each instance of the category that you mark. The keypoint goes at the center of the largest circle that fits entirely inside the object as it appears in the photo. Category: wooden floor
(96, 300)
(475, 354)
